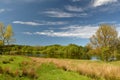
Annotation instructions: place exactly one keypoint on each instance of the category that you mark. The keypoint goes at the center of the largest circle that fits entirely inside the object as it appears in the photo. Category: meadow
(33, 68)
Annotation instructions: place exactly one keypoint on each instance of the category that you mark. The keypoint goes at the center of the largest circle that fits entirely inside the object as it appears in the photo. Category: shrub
(11, 59)
(5, 61)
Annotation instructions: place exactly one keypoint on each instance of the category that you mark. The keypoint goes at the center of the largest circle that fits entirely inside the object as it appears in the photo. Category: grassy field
(24, 68)
(97, 70)
(32, 68)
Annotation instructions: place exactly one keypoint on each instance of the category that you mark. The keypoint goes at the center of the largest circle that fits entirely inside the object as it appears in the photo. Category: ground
(32, 68)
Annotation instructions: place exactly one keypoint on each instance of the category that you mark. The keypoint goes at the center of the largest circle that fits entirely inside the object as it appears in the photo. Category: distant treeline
(54, 51)
(71, 51)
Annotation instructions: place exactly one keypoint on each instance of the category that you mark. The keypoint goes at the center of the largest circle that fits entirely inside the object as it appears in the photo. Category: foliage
(54, 51)
(23, 68)
(105, 39)
(6, 34)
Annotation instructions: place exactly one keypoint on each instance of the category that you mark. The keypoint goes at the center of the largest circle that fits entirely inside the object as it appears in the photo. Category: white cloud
(40, 23)
(27, 23)
(74, 31)
(71, 31)
(28, 33)
(74, 8)
(62, 14)
(59, 14)
(53, 23)
(76, 0)
(97, 3)
(2, 10)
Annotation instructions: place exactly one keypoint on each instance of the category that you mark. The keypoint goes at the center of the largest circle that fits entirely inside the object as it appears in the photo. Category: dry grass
(95, 70)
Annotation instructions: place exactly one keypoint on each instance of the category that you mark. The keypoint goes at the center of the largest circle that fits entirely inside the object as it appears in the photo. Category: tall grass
(94, 70)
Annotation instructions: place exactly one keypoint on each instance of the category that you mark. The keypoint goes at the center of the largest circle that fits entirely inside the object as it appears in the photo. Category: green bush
(5, 61)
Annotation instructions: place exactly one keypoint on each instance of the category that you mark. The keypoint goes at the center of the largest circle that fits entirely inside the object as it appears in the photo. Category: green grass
(25, 68)
(11, 64)
(51, 72)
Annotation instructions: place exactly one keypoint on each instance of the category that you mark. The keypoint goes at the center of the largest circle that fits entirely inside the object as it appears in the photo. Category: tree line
(71, 51)
(104, 45)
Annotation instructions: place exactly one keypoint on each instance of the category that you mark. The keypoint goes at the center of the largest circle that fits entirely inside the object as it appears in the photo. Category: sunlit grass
(24, 68)
(94, 69)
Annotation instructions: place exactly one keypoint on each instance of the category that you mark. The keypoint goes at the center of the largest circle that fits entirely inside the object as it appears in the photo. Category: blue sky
(46, 22)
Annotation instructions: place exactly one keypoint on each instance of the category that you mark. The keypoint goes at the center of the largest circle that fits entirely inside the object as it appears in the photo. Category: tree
(6, 34)
(105, 39)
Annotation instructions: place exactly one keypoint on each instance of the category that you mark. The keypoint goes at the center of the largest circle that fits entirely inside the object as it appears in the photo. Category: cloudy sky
(46, 22)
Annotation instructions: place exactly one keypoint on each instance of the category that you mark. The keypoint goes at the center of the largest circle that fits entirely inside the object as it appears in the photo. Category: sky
(47, 22)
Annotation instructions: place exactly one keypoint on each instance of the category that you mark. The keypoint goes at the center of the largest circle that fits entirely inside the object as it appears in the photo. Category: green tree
(105, 39)
(6, 34)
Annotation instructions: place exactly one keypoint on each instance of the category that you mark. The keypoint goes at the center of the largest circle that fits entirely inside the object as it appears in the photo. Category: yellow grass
(97, 70)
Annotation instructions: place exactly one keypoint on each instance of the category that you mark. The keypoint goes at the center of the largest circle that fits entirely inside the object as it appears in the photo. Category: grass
(51, 72)
(12, 61)
(24, 68)
(117, 63)
(95, 69)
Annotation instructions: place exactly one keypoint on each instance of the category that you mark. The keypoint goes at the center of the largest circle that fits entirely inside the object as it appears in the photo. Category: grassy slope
(43, 71)
(65, 69)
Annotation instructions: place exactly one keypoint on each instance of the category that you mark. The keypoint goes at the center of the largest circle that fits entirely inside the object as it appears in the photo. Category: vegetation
(105, 41)
(6, 34)
(97, 70)
(54, 51)
(23, 68)
(104, 45)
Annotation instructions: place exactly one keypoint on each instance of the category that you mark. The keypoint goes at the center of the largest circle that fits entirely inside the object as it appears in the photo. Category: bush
(11, 59)
(5, 61)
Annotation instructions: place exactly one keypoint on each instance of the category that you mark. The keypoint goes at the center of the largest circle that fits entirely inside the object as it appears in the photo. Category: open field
(24, 68)
(32, 68)
(94, 69)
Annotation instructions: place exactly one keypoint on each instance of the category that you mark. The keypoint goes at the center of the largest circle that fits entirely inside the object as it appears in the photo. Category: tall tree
(6, 34)
(105, 39)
